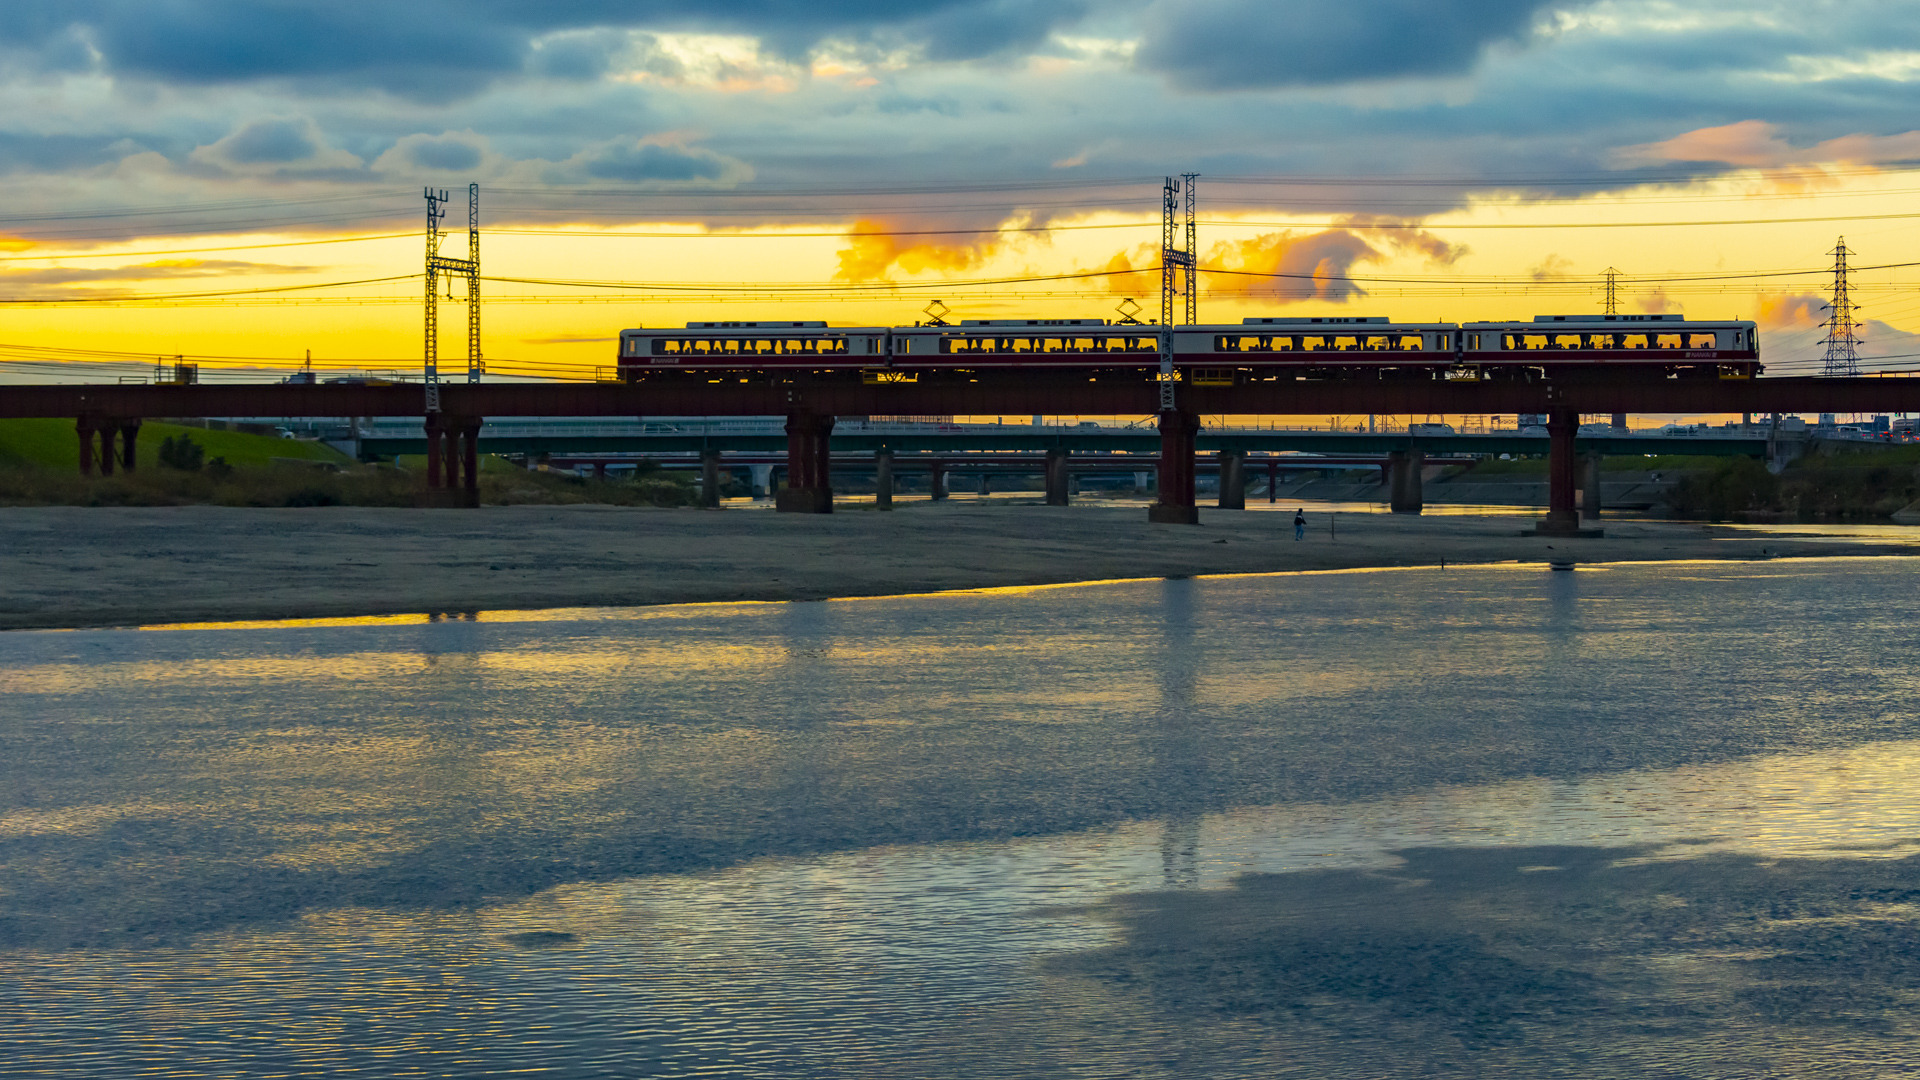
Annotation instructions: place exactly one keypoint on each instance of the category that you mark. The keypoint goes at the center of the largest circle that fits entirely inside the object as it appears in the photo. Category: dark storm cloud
(425, 51)
(1258, 44)
(445, 155)
(270, 142)
(636, 163)
(439, 50)
(576, 56)
(997, 26)
(54, 153)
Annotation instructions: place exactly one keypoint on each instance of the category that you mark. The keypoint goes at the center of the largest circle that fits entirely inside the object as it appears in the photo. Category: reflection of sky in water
(839, 838)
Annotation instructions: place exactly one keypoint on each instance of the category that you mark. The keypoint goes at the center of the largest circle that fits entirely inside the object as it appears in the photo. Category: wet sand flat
(76, 566)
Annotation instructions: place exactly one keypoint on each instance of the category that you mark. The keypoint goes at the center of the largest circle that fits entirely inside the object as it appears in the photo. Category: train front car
(981, 349)
(1624, 346)
(750, 351)
(1333, 347)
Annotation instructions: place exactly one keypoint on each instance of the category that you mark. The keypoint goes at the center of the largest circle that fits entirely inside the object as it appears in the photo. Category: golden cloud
(872, 253)
(1757, 144)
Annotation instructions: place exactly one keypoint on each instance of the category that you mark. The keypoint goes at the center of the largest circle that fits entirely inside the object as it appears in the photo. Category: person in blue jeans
(1300, 524)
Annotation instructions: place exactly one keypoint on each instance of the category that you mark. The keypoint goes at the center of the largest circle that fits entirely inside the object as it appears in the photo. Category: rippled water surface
(1652, 820)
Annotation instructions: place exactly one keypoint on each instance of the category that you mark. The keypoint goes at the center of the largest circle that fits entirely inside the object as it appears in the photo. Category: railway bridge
(108, 416)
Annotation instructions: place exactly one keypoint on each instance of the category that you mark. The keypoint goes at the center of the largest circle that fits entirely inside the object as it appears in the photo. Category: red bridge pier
(110, 440)
(809, 487)
(1175, 506)
(453, 460)
(1563, 478)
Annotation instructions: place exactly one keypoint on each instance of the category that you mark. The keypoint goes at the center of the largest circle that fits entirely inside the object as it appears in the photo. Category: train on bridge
(1254, 350)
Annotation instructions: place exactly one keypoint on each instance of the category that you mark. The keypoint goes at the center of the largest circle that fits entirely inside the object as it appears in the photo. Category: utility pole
(1193, 254)
(1613, 291)
(438, 264)
(1843, 355)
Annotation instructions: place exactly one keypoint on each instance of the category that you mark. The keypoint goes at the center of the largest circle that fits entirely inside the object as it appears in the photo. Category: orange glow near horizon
(1486, 261)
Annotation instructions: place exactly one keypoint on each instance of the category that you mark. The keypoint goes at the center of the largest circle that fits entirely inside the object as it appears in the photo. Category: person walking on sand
(1300, 524)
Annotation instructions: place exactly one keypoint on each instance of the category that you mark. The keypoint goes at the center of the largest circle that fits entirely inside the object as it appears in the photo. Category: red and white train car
(1261, 349)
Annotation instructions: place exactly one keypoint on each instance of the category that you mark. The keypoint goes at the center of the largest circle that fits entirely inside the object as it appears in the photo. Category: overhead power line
(854, 234)
(203, 250)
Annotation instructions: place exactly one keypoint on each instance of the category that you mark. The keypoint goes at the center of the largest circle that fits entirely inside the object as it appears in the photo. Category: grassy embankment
(1850, 485)
(1847, 485)
(40, 466)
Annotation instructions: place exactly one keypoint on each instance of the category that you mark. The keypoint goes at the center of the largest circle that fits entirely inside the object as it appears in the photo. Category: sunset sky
(1388, 150)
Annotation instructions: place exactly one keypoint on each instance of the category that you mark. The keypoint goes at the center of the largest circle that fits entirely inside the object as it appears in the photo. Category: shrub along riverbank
(1862, 485)
(298, 485)
(181, 466)
(1869, 484)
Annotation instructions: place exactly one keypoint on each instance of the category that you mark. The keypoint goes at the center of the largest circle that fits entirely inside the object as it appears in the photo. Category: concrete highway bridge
(868, 449)
(107, 417)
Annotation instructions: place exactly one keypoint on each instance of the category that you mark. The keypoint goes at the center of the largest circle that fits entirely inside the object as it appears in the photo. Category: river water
(1647, 819)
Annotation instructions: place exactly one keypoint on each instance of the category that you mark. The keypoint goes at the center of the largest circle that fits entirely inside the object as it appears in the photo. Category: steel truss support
(1843, 353)
(438, 265)
(1171, 260)
(1193, 254)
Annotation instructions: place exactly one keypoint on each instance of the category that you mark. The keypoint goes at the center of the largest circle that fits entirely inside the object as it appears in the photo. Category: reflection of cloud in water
(1480, 960)
(837, 838)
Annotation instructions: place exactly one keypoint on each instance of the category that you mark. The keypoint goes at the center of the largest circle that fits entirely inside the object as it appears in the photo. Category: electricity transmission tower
(1173, 260)
(1613, 291)
(469, 267)
(1843, 355)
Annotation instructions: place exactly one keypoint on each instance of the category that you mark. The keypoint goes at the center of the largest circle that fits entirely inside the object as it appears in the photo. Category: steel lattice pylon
(438, 264)
(1613, 291)
(1173, 260)
(1843, 353)
(1193, 255)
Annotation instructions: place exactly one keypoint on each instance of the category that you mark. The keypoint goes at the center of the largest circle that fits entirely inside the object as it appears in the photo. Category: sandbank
(83, 567)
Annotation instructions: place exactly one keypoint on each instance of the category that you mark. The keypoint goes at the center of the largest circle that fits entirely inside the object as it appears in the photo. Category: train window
(1671, 341)
(746, 346)
(1701, 341)
(1236, 343)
